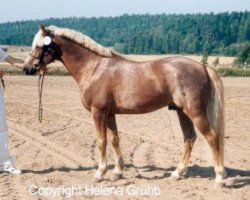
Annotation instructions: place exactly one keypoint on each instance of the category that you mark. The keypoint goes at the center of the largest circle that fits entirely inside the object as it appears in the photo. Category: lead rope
(40, 91)
(3, 84)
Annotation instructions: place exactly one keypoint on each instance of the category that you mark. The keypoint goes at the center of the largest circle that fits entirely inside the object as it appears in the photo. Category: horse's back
(148, 86)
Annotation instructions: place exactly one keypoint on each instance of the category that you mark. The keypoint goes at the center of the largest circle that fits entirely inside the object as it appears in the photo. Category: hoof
(220, 181)
(175, 176)
(224, 176)
(115, 177)
(98, 178)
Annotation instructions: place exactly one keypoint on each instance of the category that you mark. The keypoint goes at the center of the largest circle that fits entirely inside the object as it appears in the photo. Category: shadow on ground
(236, 178)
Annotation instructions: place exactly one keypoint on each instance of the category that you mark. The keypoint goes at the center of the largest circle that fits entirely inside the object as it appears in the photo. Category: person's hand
(1, 73)
(19, 65)
(15, 61)
(30, 70)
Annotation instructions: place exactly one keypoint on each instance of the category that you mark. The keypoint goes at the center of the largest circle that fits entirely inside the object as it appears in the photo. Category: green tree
(204, 59)
(189, 33)
(119, 47)
(216, 62)
(243, 58)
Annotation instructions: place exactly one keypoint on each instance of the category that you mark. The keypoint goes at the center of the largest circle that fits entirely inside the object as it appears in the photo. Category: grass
(58, 72)
(55, 72)
(223, 71)
(234, 72)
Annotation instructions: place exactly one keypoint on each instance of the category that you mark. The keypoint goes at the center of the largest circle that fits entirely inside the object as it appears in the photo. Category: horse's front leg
(114, 139)
(100, 119)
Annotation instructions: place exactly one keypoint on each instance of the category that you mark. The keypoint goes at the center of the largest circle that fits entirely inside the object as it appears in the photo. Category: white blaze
(37, 41)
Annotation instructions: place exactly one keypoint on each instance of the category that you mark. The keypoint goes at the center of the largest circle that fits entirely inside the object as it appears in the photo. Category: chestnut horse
(111, 84)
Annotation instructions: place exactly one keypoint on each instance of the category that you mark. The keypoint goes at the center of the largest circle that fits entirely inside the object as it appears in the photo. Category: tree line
(223, 33)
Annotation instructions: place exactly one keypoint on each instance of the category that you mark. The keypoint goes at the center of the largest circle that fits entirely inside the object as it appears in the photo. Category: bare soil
(62, 150)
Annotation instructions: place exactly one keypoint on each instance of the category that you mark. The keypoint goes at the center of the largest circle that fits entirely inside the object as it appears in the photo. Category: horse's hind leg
(114, 139)
(100, 120)
(189, 139)
(202, 123)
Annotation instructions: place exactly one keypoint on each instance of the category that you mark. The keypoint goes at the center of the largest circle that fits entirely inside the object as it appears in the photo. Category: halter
(47, 44)
(3, 84)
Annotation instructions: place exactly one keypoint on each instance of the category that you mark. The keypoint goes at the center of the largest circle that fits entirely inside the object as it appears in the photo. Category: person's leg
(6, 160)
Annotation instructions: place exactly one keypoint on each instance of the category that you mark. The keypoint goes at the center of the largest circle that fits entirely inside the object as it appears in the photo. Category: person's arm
(29, 70)
(4, 57)
(20, 64)
(14, 61)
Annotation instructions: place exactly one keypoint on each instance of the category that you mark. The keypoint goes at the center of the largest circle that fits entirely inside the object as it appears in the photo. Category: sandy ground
(61, 152)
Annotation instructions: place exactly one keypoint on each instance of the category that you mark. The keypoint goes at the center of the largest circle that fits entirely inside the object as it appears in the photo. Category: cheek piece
(46, 45)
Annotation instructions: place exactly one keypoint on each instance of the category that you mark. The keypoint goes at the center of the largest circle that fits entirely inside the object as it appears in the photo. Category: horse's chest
(86, 99)
(90, 97)
(85, 95)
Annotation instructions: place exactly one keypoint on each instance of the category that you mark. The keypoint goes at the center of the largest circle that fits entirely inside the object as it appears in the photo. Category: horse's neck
(77, 59)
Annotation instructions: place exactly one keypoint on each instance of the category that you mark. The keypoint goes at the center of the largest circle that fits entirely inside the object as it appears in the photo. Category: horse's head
(44, 49)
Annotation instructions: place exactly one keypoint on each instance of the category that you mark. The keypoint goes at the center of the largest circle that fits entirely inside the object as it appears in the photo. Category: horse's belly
(141, 104)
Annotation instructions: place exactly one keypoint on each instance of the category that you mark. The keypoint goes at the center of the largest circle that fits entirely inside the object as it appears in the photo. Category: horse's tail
(216, 108)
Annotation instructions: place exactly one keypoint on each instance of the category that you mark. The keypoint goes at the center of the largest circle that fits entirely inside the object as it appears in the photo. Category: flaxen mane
(81, 39)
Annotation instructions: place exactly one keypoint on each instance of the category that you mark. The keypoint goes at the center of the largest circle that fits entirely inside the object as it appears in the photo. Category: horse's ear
(42, 28)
